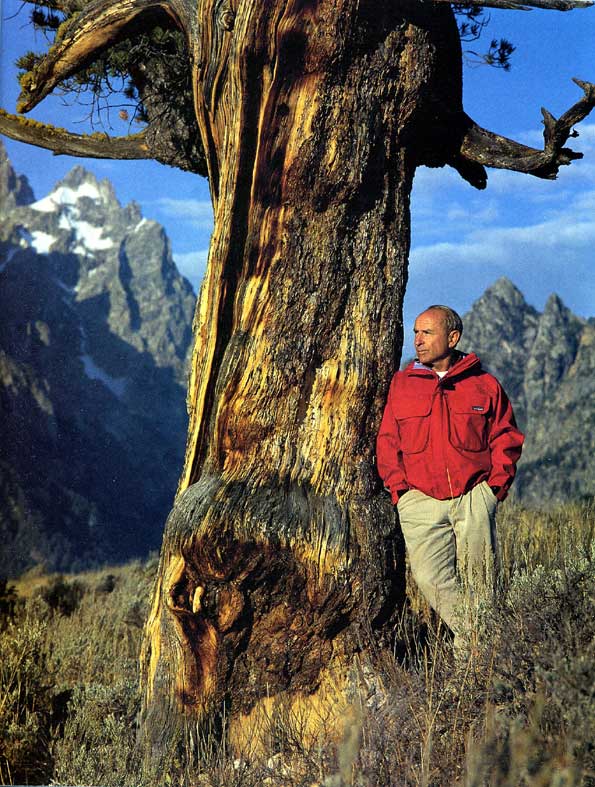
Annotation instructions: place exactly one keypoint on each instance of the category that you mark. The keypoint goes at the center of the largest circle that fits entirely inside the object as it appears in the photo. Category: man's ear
(453, 339)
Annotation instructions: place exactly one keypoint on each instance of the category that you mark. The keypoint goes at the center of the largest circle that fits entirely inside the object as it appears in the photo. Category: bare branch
(85, 34)
(62, 142)
(527, 5)
(481, 148)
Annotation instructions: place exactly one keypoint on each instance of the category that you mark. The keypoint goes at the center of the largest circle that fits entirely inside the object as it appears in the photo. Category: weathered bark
(278, 562)
(278, 557)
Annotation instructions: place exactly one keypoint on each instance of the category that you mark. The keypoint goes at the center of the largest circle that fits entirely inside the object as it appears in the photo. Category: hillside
(95, 333)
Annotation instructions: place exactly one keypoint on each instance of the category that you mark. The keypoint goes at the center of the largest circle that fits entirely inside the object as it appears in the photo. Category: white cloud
(444, 177)
(487, 214)
(539, 233)
(192, 265)
(585, 201)
(565, 230)
(199, 213)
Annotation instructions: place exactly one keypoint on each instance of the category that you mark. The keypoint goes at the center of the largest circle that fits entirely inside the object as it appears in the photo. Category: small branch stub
(227, 18)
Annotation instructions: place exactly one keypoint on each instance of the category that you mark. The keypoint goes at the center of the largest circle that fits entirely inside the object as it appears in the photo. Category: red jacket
(445, 436)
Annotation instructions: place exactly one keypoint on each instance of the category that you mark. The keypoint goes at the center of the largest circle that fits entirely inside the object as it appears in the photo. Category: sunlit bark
(281, 538)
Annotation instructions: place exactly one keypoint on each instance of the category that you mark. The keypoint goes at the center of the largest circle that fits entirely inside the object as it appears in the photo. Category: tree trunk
(280, 556)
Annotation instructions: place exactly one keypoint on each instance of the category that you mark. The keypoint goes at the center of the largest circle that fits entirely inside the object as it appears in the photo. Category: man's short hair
(451, 318)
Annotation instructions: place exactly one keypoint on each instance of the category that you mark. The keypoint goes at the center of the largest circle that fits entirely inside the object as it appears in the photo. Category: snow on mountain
(96, 331)
(42, 242)
(69, 203)
(63, 196)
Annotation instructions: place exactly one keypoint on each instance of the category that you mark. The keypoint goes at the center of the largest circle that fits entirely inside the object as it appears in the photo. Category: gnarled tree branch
(481, 148)
(145, 145)
(62, 142)
(84, 35)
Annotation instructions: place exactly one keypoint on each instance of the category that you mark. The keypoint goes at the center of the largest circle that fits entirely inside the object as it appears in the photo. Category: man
(447, 451)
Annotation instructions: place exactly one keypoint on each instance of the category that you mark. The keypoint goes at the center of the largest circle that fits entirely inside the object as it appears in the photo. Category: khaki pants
(452, 549)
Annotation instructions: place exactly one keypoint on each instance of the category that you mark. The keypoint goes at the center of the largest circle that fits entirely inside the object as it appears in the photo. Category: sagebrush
(518, 710)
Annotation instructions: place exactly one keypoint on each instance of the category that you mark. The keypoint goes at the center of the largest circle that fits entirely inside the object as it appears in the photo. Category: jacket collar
(462, 363)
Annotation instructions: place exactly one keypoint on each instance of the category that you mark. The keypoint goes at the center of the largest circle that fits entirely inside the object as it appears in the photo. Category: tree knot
(226, 16)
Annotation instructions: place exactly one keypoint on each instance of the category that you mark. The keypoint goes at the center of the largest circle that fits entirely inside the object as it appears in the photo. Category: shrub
(8, 602)
(61, 596)
(519, 711)
(98, 745)
(25, 703)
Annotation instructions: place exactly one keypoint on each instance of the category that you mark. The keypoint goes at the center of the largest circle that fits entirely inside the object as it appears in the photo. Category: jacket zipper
(444, 441)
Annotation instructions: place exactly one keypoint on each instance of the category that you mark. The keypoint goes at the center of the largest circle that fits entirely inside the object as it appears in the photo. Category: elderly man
(447, 451)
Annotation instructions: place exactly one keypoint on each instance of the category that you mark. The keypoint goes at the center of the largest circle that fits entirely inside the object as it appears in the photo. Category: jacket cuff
(398, 493)
(501, 493)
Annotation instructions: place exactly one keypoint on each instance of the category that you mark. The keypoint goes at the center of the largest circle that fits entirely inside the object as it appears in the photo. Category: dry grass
(518, 711)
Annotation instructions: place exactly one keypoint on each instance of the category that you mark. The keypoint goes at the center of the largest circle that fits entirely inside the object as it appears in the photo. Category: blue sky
(541, 234)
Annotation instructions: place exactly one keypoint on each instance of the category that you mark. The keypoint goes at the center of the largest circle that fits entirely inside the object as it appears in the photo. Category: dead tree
(278, 560)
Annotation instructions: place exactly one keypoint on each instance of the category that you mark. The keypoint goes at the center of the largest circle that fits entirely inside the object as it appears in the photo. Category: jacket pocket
(468, 422)
(413, 418)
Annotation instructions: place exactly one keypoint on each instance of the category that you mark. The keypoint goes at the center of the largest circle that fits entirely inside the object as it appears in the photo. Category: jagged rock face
(501, 327)
(546, 363)
(95, 332)
(14, 189)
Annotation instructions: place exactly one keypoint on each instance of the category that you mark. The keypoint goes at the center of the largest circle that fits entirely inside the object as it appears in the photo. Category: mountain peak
(76, 177)
(81, 201)
(84, 183)
(78, 184)
(557, 317)
(501, 313)
(554, 304)
(14, 189)
(504, 289)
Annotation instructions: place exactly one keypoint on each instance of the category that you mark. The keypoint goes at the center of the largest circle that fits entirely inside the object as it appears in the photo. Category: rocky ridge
(546, 362)
(95, 334)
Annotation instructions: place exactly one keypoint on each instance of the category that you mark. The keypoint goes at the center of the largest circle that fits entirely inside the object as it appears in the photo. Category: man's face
(433, 344)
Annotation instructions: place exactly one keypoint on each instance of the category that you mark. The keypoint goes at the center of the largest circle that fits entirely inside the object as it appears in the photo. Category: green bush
(69, 677)
(61, 596)
(8, 602)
